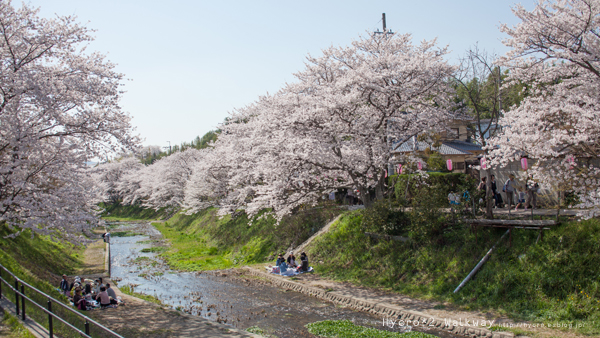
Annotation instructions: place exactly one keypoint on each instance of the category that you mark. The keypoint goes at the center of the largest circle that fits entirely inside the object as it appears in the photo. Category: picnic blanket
(288, 273)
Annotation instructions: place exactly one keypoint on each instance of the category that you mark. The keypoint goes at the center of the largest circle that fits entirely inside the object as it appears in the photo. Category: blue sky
(189, 63)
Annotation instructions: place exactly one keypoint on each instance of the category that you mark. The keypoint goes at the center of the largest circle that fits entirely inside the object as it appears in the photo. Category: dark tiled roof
(454, 147)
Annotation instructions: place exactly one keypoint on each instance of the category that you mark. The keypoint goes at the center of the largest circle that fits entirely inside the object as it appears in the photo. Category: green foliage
(347, 329)
(197, 143)
(380, 218)
(435, 162)
(437, 185)
(203, 241)
(555, 280)
(128, 290)
(17, 330)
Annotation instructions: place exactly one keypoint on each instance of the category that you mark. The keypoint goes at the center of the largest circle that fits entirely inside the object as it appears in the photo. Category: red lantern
(524, 163)
(449, 164)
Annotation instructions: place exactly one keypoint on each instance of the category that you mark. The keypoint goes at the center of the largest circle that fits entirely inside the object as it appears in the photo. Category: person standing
(64, 286)
(509, 188)
(532, 190)
(495, 194)
(304, 259)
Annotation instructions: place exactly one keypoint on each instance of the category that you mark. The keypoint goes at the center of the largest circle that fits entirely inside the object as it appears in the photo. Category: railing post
(87, 327)
(23, 301)
(17, 295)
(50, 326)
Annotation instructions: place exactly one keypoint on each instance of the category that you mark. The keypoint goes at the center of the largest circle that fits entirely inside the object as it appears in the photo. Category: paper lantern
(399, 169)
(419, 165)
(524, 163)
(449, 164)
(571, 161)
(385, 172)
(483, 163)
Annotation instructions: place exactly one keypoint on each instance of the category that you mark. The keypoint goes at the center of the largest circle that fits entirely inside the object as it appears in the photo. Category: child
(521, 200)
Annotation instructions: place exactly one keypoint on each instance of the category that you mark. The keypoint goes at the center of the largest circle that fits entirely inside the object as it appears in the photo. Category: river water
(225, 296)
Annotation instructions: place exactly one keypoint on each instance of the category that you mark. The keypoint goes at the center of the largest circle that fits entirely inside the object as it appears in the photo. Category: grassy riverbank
(554, 281)
(204, 241)
(40, 262)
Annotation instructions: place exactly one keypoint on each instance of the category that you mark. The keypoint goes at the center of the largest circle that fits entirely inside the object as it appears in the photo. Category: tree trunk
(489, 196)
(380, 187)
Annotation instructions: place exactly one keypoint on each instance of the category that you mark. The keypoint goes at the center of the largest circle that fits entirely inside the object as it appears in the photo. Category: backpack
(82, 304)
(504, 188)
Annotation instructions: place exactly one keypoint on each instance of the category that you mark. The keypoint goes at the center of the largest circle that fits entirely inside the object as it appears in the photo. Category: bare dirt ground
(139, 318)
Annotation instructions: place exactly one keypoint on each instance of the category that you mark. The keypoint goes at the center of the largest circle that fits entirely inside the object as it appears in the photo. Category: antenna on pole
(385, 30)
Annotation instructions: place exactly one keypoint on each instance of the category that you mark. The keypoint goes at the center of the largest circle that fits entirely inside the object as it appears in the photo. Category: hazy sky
(189, 63)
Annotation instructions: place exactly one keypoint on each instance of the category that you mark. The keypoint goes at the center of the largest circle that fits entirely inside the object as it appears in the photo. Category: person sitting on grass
(280, 260)
(291, 260)
(77, 297)
(304, 260)
(103, 298)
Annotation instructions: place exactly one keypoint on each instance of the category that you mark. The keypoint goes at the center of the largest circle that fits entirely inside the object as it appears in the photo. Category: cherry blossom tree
(333, 128)
(59, 107)
(556, 52)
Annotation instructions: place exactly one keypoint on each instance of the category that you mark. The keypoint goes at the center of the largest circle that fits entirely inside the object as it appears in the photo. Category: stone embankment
(455, 325)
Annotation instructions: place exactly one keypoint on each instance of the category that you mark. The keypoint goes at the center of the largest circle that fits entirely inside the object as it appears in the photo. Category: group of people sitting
(88, 296)
(289, 266)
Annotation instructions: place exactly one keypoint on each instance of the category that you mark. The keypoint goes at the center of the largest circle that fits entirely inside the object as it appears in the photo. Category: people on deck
(532, 189)
(521, 199)
(64, 286)
(509, 188)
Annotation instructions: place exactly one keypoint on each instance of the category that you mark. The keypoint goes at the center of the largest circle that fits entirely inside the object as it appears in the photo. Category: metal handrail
(51, 299)
(43, 309)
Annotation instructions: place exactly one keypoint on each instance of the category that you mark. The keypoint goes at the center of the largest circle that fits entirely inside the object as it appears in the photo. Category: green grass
(555, 280)
(347, 329)
(17, 330)
(204, 241)
(40, 262)
(128, 290)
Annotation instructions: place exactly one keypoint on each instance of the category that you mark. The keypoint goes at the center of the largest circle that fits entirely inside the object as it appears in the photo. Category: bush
(436, 185)
(382, 219)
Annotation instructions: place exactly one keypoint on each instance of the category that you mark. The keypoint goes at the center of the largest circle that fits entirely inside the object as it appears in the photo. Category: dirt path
(139, 318)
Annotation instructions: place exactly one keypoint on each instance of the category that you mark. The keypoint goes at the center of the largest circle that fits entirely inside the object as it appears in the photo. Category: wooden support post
(87, 327)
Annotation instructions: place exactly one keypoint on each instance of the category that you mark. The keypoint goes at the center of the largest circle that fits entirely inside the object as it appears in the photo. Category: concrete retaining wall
(381, 309)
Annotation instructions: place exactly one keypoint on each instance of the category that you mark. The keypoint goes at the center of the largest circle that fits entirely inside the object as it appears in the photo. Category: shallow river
(228, 299)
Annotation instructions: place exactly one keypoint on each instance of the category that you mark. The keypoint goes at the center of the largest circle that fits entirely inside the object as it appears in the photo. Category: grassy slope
(40, 262)
(203, 241)
(555, 280)
(119, 212)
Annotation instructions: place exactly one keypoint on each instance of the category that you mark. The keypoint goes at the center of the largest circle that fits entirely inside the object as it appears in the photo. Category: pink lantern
(571, 160)
(419, 165)
(449, 164)
(399, 169)
(524, 163)
(483, 163)
(385, 172)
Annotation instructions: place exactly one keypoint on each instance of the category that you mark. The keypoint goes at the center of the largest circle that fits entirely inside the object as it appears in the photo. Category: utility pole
(169, 147)
(385, 30)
